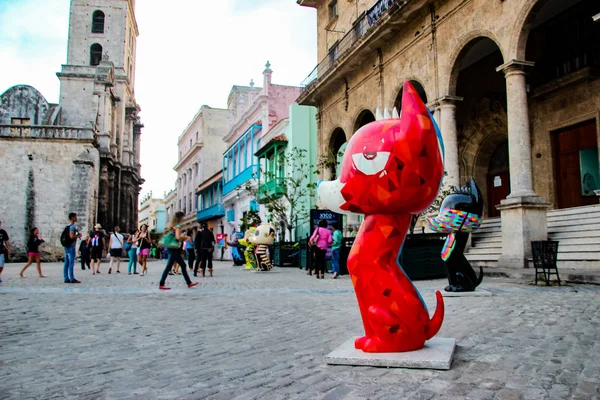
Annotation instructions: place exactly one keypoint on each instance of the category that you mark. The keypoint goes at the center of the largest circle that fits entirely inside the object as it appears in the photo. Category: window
(20, 121)
(196, 136)
(180, 205)
(190, 143)
(98, 22)
(95, 54)
(333, 9)
(184, 204)
(190, 198)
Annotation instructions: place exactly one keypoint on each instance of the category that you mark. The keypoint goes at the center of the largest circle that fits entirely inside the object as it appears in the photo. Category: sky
(189, 54)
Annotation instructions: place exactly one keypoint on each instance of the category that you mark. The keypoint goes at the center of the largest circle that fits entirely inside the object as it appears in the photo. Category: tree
(249, 219)
(284, 191)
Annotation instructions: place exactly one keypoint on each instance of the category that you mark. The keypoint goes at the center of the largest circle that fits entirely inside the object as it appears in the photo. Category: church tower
(97, 90)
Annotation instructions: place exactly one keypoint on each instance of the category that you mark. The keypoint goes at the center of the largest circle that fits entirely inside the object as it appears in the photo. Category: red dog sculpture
(392, 168)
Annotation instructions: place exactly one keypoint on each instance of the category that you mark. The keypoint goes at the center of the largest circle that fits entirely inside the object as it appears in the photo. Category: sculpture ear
(473, 189)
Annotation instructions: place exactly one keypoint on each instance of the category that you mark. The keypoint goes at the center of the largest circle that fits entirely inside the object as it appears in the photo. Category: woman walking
(85, 252)
(175, 254)
(132, 247)
(320, 240)
(144, 244)
(33, 252)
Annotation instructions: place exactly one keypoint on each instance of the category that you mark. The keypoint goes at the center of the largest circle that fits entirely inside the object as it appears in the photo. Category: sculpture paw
(360, 342)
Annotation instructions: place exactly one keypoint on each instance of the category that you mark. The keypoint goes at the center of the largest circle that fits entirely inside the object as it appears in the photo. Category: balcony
(384, 20)
(216, 211)
(272, 189)
(238, 180)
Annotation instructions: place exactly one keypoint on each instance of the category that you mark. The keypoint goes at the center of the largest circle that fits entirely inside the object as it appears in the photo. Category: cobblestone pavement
(247, 335)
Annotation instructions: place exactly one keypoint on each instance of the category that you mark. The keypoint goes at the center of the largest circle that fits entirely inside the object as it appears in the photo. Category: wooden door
(567, 145)
(498, 184)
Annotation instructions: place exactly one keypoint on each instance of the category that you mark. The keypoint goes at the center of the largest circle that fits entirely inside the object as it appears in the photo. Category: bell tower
(97, 90)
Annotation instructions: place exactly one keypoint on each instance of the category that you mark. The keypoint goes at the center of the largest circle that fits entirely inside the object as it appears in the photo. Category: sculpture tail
(480, 277)
(438, 317)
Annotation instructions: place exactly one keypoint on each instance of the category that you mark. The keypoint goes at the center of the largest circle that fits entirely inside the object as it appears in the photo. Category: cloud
(189, 54)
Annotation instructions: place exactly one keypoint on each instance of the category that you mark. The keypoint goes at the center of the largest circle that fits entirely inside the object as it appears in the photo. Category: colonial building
(153, 213)
(514, 86)
(253, 112)
(82, 154)
(171, 204)
(200, 148)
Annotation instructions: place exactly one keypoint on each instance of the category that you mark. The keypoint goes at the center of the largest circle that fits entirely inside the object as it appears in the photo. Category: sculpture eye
(370, 163)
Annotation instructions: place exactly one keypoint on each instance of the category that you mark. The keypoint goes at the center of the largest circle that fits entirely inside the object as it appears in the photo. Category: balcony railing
(360, 29)
(231, 216)
(216, 211)
(271, 188)
(238, 180)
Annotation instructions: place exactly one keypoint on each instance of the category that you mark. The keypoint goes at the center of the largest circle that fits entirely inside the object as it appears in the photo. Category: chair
(545, 259)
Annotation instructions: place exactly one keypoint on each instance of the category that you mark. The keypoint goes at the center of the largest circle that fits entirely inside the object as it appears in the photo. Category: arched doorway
(563, 41)
(420, 91)
(337, 145)
(365, 117)
(481, 117)
(498, 178)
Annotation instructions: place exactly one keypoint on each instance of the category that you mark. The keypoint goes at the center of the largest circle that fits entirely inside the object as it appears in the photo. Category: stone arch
(23, 101)
(364, 117)
(520, 33)
(419, 87)
(461, 50)
(337, 141)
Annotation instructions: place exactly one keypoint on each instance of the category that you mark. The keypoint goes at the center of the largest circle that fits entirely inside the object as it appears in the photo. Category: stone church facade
(83, 154)
(513, 84)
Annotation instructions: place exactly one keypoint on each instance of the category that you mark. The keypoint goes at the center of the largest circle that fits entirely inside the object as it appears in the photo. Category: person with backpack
(68, 239)
(97, 246)
(115, 244)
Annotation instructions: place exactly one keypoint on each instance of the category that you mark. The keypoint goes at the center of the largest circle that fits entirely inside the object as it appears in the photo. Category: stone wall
(48, 179)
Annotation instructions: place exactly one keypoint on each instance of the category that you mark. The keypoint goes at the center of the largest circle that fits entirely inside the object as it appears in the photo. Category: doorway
(498, 179)
(576, 165)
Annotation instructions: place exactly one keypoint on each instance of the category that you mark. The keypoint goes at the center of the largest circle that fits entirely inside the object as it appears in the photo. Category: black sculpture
(460, 214)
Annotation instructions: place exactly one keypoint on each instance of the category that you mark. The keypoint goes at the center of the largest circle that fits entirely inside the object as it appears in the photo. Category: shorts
(116, 252)
(96, 253)
(1, 260)
(144, 252)
(32, 254)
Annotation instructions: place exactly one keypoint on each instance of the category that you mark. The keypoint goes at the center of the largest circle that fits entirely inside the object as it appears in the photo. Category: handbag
(169, 240)
(128, 246)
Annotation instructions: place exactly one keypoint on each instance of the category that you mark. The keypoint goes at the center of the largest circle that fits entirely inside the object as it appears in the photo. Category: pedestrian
(354, 232)
(144, 244)
(320, 240)
(175, 254)
(84, 252)
(4, 249)
(33, 252)
(207, 246)
(69, 240)
(115, 244)
(97, 246)
(336, 249)
(188, 245)
(131, 247)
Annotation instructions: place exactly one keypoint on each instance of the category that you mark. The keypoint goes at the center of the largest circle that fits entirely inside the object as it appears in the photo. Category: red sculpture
(392, 168)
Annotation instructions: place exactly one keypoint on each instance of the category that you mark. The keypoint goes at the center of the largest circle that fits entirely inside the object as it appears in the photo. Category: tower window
(95, 54)
(98, 22)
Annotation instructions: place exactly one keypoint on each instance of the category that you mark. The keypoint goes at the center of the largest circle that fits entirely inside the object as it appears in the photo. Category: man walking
(116, 249)
(207, 246)
(336, 248)
(69, 241)
(4, 249)
(98, 244)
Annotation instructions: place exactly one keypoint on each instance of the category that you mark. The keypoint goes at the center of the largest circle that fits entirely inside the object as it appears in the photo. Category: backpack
(65, 237)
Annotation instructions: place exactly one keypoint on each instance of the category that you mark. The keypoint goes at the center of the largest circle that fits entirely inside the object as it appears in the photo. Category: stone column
(523, 212)
(445, 117)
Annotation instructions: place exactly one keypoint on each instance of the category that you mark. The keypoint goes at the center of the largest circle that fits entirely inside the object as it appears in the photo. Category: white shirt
(114, 243)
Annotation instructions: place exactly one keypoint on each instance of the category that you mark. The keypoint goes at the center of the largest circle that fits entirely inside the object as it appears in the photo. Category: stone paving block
(436, 354)
(476, 293)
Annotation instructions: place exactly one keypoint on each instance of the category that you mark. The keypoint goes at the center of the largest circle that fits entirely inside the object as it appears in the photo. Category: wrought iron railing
(360, 29)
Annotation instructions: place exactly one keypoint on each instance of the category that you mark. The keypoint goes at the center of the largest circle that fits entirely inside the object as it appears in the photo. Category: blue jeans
(335, 260)
(69, 264)
(132, 253)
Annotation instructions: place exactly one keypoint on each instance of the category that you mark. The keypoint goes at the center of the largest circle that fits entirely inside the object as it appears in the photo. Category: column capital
(444, 101)
(514, 65)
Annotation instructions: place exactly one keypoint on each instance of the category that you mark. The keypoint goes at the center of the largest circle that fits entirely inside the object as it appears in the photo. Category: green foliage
(286, 207)
(249, 219)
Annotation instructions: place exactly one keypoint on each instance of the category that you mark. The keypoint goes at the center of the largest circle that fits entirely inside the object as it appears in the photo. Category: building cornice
(196, 147)
(245, 119)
